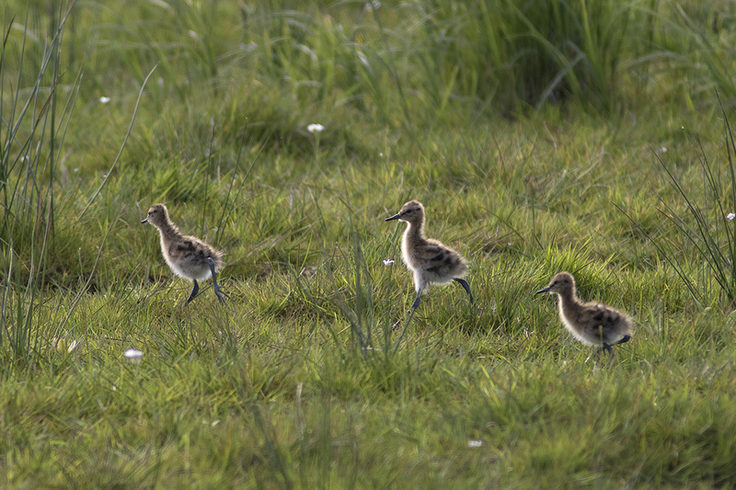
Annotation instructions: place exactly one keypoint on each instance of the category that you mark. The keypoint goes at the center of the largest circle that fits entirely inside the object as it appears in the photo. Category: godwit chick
(591, 323)
(431, 261)
(188, 256)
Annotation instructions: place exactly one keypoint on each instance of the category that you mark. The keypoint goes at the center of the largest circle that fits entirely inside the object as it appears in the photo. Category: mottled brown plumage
(188, 256)
(431, 261)
(590, 323)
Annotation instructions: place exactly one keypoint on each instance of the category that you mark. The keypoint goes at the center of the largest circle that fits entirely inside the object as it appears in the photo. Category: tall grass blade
(122, 147)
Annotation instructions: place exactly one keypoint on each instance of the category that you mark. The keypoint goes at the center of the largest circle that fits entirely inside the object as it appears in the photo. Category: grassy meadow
(591, 136)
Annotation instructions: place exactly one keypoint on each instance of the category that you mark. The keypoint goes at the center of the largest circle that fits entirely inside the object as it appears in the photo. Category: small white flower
(663, 150)
(730, 216)
(475, 443)
(72, 346)
(388, 262)
(315, 128)
(133, 354)
(104, 100)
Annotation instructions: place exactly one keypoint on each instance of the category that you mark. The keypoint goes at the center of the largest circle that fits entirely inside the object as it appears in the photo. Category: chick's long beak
(396, 216)
(145, 221)
(542, 290)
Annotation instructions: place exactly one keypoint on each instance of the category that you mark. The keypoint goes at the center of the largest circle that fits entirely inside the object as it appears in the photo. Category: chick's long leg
(221, 295)
(195, 290)
(466, 287)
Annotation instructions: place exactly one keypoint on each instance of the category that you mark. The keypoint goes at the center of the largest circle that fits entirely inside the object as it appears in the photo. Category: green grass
(536, 139)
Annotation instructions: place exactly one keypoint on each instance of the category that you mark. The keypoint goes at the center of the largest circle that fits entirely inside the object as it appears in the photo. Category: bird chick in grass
(590, 323)
(431, 261)
(188, 256)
